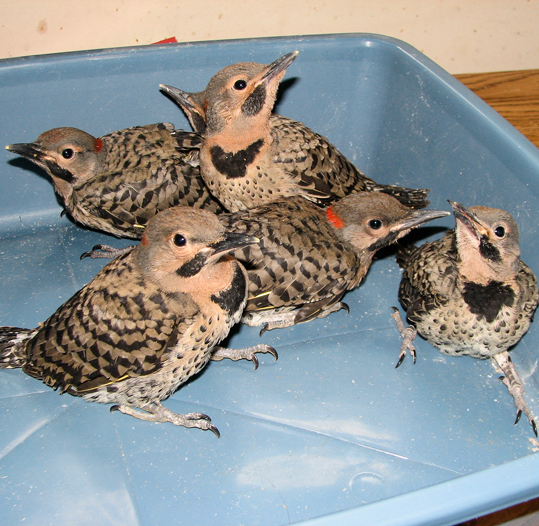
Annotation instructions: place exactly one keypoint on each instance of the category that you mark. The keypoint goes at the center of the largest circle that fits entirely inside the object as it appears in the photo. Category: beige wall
(462, 36)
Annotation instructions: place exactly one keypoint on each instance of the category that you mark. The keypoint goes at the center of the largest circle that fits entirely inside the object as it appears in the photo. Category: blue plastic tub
(331, 433)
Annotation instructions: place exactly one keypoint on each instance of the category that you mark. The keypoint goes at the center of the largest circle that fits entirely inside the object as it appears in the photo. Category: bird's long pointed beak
(419, 217)
(28, 150)
(468, 219)
(177, 95)
(399, 230)
(278, 66)
(233, 241)
(195, 113)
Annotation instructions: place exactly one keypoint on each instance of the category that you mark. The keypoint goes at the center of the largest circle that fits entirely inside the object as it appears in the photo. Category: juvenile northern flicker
(117, 182)
(469, 293)
(146, 323)
(308, 257)
(251, 157)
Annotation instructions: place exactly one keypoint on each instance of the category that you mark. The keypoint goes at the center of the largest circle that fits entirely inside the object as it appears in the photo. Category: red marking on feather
(333, 218)
(144, 241)
(98, 145)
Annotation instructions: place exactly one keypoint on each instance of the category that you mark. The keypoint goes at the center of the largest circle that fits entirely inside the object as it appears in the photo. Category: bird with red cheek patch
(149, 321)
(250, 156)
(333, 218)
(117, 182)
(308, 257)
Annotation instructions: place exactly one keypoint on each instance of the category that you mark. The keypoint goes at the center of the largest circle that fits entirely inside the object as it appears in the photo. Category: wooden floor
(525, 514)
(515, 95)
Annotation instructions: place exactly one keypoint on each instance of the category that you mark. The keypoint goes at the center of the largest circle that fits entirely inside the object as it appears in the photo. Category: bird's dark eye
(375, 224)
(240, 85)
(179, 240)
(499, 231)
(67, 153)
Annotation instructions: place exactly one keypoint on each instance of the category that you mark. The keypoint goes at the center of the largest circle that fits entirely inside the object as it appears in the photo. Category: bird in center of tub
(308, 257)
(250, 156)
(469, 293)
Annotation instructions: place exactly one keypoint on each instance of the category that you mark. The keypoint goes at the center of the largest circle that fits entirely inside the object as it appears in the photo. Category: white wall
(462, 36)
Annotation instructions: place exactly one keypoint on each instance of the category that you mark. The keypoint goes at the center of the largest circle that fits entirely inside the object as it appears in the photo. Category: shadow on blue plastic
(329, 434)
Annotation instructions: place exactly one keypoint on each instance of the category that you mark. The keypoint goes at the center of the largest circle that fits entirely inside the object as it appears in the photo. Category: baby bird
(149, 321)
(117, 182)
(469, 293)
(250, 157)
(308, 257)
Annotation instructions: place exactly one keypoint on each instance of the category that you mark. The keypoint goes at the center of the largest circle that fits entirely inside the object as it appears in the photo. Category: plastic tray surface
(331, 433)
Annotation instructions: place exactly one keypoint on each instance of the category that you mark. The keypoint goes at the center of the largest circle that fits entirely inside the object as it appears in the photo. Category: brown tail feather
(12, 348)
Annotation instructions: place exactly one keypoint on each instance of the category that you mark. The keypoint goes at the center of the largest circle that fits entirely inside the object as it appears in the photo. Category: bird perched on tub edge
(469, 293)
(250, 157)
(150, 320)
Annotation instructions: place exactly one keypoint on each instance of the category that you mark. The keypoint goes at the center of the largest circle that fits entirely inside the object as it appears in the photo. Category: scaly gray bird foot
(279, 321)
(106, 251)
(249, 353)
(282, 320)
(340, 305)
(156, 412)
(515, 385)
(408, 335)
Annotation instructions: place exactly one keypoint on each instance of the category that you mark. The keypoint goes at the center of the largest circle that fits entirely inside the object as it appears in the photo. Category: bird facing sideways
(149, 321)
(250, 156)
(308, 257)
(469, 293)
(117, 182)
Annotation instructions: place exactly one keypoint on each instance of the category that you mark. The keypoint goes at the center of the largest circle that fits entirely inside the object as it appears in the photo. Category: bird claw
(197, 416)
(404, 352)
(203, 422)
(515, 385)
(531, 420)
(106, 252)
(288, 318)
(156, 412)
(199, 420)
(408, 335)
(214, 430)
(280, 321)
(248, 353)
